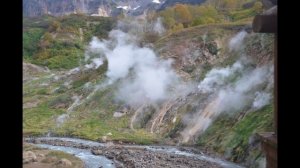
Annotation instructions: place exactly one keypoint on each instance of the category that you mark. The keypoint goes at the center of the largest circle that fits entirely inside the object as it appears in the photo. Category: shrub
(31, 39)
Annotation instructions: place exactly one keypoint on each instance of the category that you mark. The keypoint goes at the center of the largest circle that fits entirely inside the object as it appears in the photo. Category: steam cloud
(241, 86)
(261, 99)
(236, 42)
(230, 89)
(237, 96)
(142, 78)
(158, 27)
(141, 75)
(141, 25)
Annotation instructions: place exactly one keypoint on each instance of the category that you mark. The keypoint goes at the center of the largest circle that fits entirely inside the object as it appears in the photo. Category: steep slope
(34, 8)
(168, 3)
(198, 52)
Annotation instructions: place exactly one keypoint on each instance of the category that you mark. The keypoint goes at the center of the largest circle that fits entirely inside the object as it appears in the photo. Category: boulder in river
(97, 152)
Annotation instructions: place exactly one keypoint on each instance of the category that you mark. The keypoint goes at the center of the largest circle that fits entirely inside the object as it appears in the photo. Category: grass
(92, 120)
(39, 120)
(229, 133)
(61, 99)
(95, 125)
(242, 14)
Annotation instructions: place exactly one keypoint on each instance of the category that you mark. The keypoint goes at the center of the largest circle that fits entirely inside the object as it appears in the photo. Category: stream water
(90, 160)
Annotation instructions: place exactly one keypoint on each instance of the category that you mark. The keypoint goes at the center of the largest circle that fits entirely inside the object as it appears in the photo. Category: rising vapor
(234, 88)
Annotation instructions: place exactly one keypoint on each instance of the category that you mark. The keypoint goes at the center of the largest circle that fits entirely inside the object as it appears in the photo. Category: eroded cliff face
(231, 64)
(34, 8)
(173, 2)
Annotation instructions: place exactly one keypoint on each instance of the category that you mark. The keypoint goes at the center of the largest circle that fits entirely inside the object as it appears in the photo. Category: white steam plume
(234, 88)
(261, 99)
(230, 89)
(141, 25)
(141, 75)
(236, 42)
(158, 26)
(218, 77)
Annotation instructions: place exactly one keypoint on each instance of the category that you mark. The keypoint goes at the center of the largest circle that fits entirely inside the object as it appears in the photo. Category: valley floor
(139, 156)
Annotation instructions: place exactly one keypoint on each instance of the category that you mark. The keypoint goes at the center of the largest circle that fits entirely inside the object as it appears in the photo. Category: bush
(101, 30)
(68, 60)
(203, 20)
(75, 21)
(60, 54)
(42, 92)
(54, 26)
(31, 39)
(212, 48)
(177, 27)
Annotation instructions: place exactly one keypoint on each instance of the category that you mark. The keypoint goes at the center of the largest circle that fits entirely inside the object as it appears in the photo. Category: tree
(182, 14)
(206, 14)
(230, 4)
(203, 20)
(46, 41)
(47, 37)
(54, 26)
(169, 22)
(208, 11)
(194, 10)
(258, 6)
(177, 27)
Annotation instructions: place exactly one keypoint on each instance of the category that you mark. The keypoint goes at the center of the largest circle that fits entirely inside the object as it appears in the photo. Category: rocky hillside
(33, 8)
(169, 3)
(208, 86)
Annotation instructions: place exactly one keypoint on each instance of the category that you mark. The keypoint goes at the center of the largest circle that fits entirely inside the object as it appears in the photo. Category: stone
(28, 157)
(118, 114)
(41, 155)
(64, 162)
(104, 139)
(97, 152)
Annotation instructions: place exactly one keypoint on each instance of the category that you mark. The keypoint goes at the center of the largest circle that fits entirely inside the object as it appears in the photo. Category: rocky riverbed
(143, 158)
(137, 156)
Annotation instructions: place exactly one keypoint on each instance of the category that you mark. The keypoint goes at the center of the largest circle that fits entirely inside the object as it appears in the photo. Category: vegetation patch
(230, 135)
(39, 120)
(60, 42)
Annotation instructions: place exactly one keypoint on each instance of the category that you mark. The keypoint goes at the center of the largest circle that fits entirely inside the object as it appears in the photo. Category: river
(83, 150)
